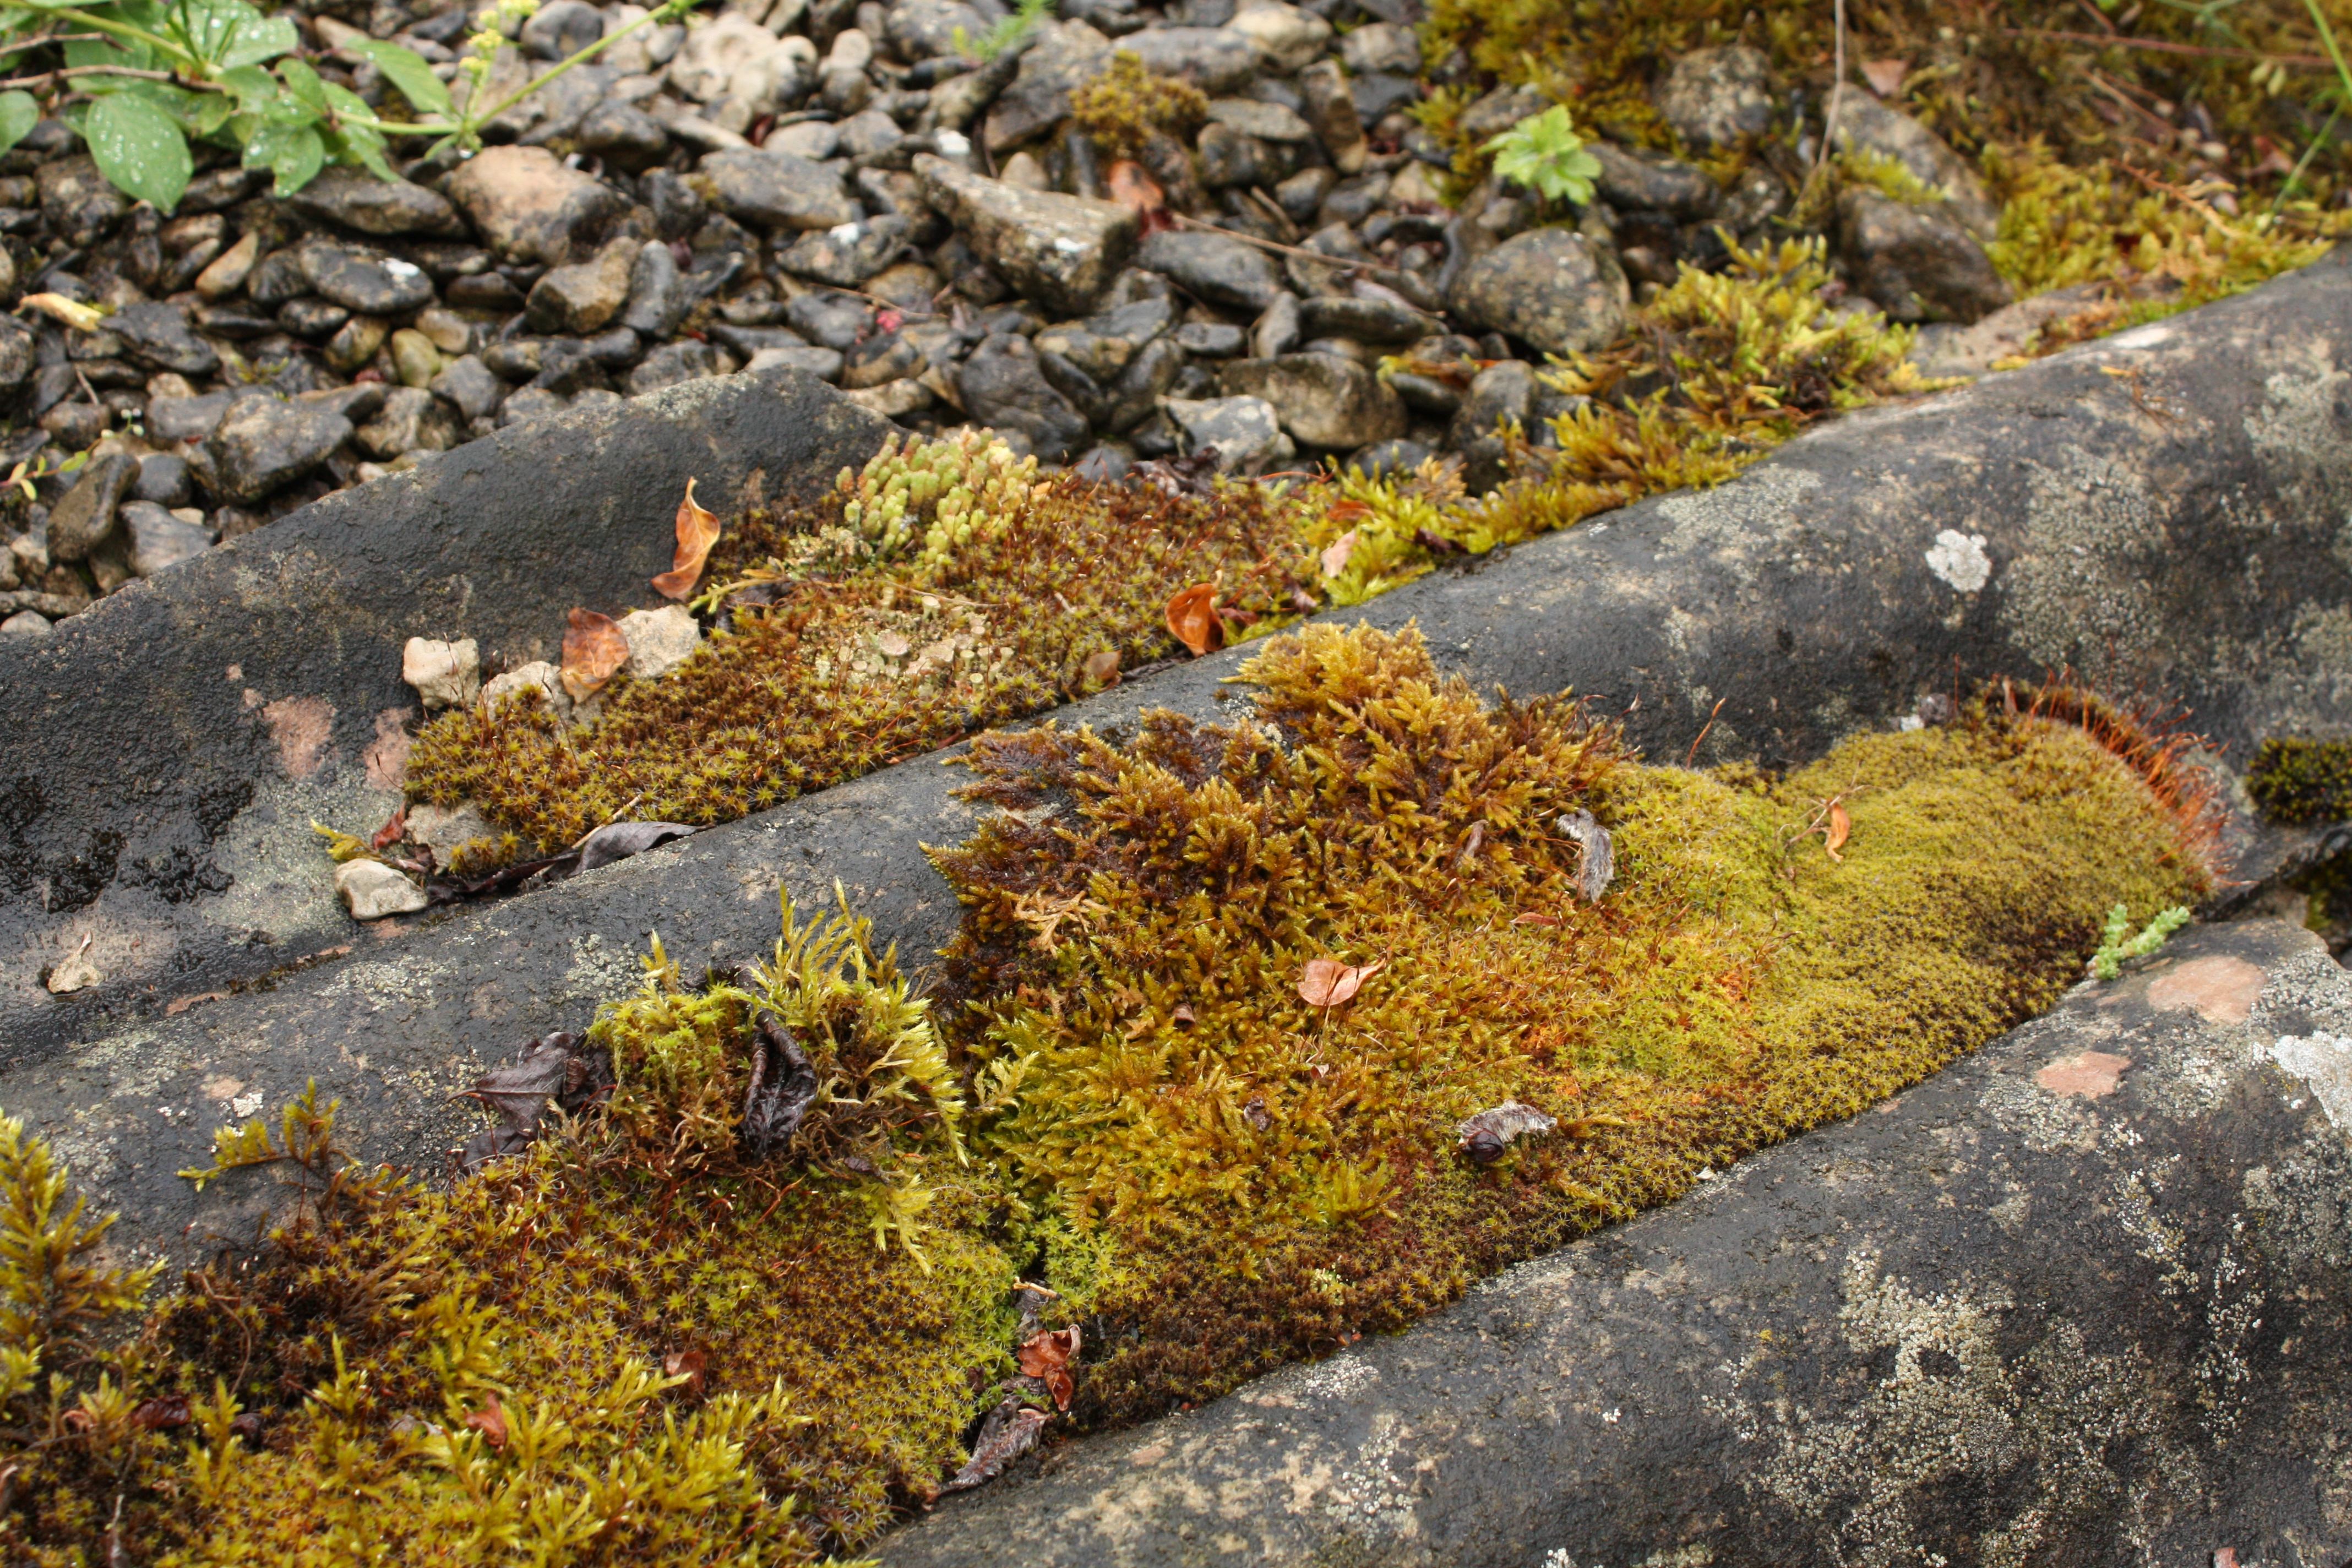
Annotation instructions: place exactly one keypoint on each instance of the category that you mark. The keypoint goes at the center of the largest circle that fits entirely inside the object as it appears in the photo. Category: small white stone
(374, 890)
(444, 674)
(659, 640)
(76, 974)
(951, 143)
(540, 673)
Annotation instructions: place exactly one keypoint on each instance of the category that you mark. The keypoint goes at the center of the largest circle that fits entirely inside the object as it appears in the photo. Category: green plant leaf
(19, 113)
(140, 149)
(304, 84)
(407, 70)
(103, 52)
(295, 154)
(350, 142)
(224, 34)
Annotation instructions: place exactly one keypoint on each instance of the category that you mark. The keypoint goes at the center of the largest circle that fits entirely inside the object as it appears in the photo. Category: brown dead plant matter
(825, 666)
(1316, 945)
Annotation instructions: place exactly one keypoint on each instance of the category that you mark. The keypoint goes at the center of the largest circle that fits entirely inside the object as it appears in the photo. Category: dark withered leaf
(1599, 854)
(1437, 543)
(1010, 1431)
(171, 1410)
(491, 1143)
(447, 892)
(1486, 1135)
(783, 1086)
(619, 840)
(519, 1092)
(1179, 476)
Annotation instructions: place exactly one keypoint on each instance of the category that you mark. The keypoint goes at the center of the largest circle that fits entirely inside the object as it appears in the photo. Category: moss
(1718, 369)
(943, 589)
(2063, 226)
(2302, 781)
(1123, 108)
(743, 1314)
(1270, 1178)
(639, 1341)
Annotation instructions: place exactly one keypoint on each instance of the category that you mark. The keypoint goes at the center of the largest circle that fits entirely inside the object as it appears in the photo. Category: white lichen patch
(1758, 515)
(2301, 442)
(1951, 1411)
(1368, 1497)
(2080, 595)
(1959, 559)
(2322, 1060)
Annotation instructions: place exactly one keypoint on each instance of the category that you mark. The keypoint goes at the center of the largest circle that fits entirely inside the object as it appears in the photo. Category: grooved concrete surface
(2085, 1297)
(2181, 526)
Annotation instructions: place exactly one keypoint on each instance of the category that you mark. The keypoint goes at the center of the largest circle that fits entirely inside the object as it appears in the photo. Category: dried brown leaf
(698, 531)
(1193, 621)
(1131, 186)
(1328, 982)
(1102, 667)
(1010, 1431)
(1048, 1357)
(490, 1421)
(688, 1363)
(1885, 77)
(390, 833)
(1841, 828)
(594, 652)
(1334, 554)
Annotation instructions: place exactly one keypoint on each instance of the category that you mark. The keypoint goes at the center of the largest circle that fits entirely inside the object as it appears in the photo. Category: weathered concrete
(162, 754)
(2085, 1297)
(1812, 597)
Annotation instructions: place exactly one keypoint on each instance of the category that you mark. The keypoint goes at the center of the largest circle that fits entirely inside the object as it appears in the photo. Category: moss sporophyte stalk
(752, 1296)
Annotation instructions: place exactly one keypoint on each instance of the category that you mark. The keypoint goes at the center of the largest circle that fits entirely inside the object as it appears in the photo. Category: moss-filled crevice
(1272, 1176)
(1195, 1086)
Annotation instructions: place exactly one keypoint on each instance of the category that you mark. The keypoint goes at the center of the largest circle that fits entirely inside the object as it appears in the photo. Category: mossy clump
(1718, 369)
(1222, 1005)
(645, 1339)
(1263, 1176)
(941, 589)
(1127, 105)
(2062, 226)
(2296, 781)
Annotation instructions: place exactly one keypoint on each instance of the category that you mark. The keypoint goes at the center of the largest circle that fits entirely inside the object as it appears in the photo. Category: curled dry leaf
(1193, 619)
(490, 1421)
(1102, 667)
(594, 652)
(619, 840)
(1048, 1358)
(1131, 186)
(1840, 829)
(390, 833)
(1184, 1013)
(1599, 854)
(1010, 1431)
(1327, 982)
(688, 1363)
(1885, 77)
(1336, 553)
(171, 1410)
(698, 531)
(1486, 1135)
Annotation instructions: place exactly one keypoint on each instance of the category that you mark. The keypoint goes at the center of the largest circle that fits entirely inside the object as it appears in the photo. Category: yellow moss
(1273, 1178)
(1123, 108)
(2063, 226)
(940, 590)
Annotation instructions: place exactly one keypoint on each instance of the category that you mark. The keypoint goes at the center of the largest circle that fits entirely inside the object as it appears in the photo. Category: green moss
(942, 590)
(1272, 1178)
(2300, 781)
(681, 1329)
(1126, 106)
(637, 1342)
